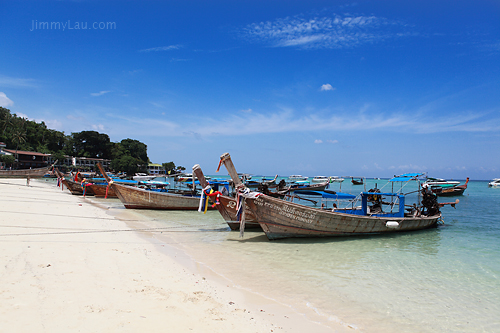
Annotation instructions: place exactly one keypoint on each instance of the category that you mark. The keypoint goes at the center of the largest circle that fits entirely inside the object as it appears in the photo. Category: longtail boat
(73, 186)
(283, 219)
(227, 206)
(137, 198)
(309, 187)
(26, 173)
(449, 191)
(102, 191)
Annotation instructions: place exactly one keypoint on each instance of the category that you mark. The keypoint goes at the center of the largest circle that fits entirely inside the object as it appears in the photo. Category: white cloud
(247, 111)
(317, 141)
(100, 93)
(162, 48)
(14, 82)
(332, 141)
(335, 31)
(327, 87)
(98, 127)
(5, 101)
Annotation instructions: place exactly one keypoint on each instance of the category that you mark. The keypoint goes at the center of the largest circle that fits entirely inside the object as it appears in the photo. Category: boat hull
(25, 173)
(137, 198)
(74, 187)
(100, 191)
(227, 209)
(282, 219)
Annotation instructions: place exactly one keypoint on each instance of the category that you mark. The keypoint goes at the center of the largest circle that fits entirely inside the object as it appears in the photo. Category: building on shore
(30, 159)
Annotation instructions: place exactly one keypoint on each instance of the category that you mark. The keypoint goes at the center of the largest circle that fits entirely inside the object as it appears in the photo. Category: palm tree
(6, 121)
(18, 137)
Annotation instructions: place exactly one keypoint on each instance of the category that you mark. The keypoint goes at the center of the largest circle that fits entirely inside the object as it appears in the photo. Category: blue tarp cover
(327, 195)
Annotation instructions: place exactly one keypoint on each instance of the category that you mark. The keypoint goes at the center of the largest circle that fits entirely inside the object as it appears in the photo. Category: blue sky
(365, 88)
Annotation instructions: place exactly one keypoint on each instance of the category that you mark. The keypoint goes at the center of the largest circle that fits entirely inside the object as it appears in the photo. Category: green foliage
(135, 149)
(59, 156)
(22, 134)
(169, 167)
(90, 144)
(130, 156)
(126, 163)
(7, 159)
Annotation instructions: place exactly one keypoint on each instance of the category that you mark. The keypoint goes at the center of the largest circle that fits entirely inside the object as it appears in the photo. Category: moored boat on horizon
(494, 183)
(447, 191)
(296, 178)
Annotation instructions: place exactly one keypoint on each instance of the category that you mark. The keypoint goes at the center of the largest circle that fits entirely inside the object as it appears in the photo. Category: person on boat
(375, 200)
(429, 202)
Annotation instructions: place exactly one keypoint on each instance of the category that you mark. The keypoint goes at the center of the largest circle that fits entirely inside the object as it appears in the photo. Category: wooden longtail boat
(450, 191)
(74, 187)
(311, 187)
(356, 181)
(227, 205)
(282, 219)
(99, 191)
(137, 198)
(133, 197)
(26, 173)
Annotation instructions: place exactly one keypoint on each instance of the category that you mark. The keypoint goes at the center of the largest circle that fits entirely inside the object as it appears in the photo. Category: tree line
(19, 133)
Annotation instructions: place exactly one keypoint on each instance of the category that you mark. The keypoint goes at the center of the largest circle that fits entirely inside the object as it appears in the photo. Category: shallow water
(443, 279)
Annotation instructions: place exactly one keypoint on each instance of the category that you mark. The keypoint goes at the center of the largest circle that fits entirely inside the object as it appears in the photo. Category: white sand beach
(68, 266)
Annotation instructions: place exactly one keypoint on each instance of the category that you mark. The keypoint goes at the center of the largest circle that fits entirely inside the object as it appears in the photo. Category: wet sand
(67, 265)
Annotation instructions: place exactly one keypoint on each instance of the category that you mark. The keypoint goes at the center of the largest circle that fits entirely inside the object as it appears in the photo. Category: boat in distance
(447, 191)
(283, 219)
(494, 183)
(296, 177)
(320, 179)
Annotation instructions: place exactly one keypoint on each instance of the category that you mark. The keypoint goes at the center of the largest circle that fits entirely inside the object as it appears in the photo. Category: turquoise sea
(445, 279)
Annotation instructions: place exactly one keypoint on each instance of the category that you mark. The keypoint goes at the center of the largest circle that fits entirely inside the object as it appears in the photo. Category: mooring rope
(93, 231)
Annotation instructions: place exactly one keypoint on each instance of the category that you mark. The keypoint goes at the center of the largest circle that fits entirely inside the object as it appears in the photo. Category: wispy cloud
(100, 93)
(327, 87)
(15, 82)
(318, 141)
(336, 31)
(162, 48)
(5, 101)
(288, 121)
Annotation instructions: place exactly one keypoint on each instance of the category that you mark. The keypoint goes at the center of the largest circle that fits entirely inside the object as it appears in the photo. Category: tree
(127, 164)
(135, 149)
(169, 167)
(5, 119)
(19, 136)
(90, 144)
(59, 156)
(7, 159)
(130, 156)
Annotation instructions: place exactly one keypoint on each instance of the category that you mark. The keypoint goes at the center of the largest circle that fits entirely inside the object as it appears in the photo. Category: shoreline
(70, 264)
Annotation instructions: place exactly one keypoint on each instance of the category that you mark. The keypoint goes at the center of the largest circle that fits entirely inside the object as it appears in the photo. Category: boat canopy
(406, 177)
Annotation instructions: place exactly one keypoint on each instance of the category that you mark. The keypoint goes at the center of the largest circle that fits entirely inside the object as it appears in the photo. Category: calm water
(444, 279)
